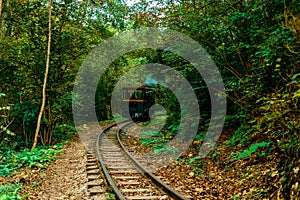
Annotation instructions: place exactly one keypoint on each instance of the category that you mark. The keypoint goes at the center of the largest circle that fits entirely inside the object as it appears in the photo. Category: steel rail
(105, 171)
(170, 191)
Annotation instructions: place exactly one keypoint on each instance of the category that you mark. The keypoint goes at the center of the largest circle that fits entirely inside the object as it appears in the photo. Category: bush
(12, 160)
(9, 192)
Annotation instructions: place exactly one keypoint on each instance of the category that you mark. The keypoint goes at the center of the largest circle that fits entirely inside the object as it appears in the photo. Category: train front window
(132, 94)
(137, 95)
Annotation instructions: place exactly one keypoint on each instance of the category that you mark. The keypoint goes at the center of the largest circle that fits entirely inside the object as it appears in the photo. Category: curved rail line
(124, 173)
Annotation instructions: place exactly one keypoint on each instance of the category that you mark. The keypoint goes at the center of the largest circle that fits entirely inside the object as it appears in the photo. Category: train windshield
(132, 94)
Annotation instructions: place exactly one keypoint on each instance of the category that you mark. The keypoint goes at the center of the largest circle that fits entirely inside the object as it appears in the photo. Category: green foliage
(151, 137)
(157, 140)
(10, 192)
(215, 154)
(12, 160)
(5, 112)
(196, 162)
(235, 196)
(253, 148)
(22, 61)
(255, 45)
(163, 149)
(235, 118)
(239, 137)
(111, 196)
(63, 132)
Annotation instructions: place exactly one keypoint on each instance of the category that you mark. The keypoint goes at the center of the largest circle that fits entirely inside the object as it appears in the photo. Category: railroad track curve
(128, 178)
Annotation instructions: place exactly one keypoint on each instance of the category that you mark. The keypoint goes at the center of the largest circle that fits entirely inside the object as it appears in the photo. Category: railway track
(126, 176)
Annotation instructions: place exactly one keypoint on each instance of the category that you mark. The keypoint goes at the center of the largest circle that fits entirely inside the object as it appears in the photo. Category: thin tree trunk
(1, 17)
(45, 83)
(1, 3)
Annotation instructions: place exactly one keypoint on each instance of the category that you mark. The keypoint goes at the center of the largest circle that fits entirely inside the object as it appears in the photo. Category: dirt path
(64, 178)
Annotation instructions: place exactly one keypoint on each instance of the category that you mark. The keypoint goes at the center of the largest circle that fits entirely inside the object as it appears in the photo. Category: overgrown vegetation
(11, 160)
(11, 192)
(255, 45)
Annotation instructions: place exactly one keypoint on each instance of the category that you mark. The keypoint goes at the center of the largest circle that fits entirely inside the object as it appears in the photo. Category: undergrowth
(10, 192)
(12, 160)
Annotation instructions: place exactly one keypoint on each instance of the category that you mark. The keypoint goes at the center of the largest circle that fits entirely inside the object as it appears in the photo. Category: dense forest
(255, 45)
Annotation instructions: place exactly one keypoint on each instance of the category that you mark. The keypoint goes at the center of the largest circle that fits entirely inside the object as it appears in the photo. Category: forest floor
(217, 176)
(64, 178)
(220, 175)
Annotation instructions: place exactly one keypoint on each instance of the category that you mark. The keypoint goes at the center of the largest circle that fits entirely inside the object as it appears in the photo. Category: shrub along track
(128, 179)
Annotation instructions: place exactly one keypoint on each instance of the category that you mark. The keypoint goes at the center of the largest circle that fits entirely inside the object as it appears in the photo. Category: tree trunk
(45, 83)
(1, 3)
(2, 18)
(291, 187)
